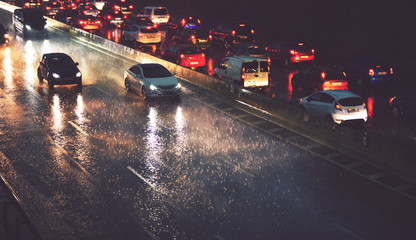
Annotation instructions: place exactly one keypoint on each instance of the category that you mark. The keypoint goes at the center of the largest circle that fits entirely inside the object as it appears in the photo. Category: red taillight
(81, 22)
(54, 3)
(98, 22)
(323, 75)
(293, 52)
(148, 28)
(337, 106)
(313, 50)
(48, 8)
(183, 21)
(122, 0)
(182, 56)
(73, 4)
(168, 17)
(199, 21)
(109, 17)
(371, 72)
(61, 8)
(269, 60)
(153, 17)
(116, 7)
(210, 37)
(131, 6)
(85, 12)
(252, 31)
(193, 37)
(391, 70)
(125, 17)
(140, 34)
(202, 55)
(233, 32)
(26, 4)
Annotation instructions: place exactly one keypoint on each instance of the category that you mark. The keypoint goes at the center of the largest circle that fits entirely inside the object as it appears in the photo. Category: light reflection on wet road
(100, 163)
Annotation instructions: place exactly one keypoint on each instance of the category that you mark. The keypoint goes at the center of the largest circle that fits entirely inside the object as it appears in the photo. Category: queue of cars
(246, 62)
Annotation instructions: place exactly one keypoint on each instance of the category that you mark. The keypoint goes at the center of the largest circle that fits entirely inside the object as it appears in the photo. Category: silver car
(336, 105)
(151, 80)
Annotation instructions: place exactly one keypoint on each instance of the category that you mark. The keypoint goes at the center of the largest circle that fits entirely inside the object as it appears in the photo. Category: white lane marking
(255, 108)
(78, 128)
(237, 167)
(311, 146)
(353, 165)
(376, 175)
(67, 154)
(348, 231)
(219, 237)
(152, 185)
(99, 89)
(404, 187)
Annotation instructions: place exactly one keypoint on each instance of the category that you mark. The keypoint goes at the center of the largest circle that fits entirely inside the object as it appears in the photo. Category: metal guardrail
(15, 221)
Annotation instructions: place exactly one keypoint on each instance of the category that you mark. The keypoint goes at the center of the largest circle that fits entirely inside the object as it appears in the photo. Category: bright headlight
(28, 27)
(78, 74)
(178, 85)
(6, 35)
(55, 75)
(152, 87)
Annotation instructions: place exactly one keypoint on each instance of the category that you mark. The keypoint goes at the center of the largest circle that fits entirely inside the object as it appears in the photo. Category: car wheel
(40, 76)
(143, 92)
(396, 112)
(295, 84)
(127, 84)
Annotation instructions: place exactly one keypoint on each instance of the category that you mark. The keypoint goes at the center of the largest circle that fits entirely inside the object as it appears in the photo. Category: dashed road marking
(348, 231)
(404, 187)
(377, 175)
(78, 128)
(258, 122)
(101, 90)
(311, 146)
(353, 165)
(237, 167)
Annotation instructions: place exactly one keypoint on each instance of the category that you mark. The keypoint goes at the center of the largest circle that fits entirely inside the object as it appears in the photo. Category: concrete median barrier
(374, 151)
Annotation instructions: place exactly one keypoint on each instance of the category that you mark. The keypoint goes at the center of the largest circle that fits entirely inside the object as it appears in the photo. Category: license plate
(243, 37)
(151, 36)
(353, 110)
(194, 63)
(304, 56)
(382, 73)
(336, 83)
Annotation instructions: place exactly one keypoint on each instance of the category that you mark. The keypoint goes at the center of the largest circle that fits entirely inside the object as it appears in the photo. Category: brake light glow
(210, 37)
(131, 6)
(202, 55)
(26, 4)
(371, 72)
(323, 75)
(54, 3)
(140, 34)
(391, 70)
(85, 12)
(182, 56)
(123, 1)
(252, 31)
(148, 28)
(199, 21)
(109, 17)
(233, 32)
(183, 21)
(48, 8)
(293, 52)
(98, 22)
(313, 50)
(193, 37)
(81, 22)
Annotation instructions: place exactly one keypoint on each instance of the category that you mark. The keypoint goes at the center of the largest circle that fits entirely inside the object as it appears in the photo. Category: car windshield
(60, 61)
(148, 30)
(160, 11)
(243, 30)
(191, 50)
(334, 75)
(351, 101)
(143, 21)
(32, 16)
(155, 71)
(255, 50)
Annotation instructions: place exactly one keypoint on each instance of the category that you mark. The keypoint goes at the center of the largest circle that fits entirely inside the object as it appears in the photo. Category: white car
(151, 80)
(336, 105)
(142, 35)
(158, 15)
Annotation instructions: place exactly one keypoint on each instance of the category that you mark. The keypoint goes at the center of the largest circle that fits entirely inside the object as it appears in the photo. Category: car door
(43, 67)
(313, 103)
(131, 33)
(135, 77)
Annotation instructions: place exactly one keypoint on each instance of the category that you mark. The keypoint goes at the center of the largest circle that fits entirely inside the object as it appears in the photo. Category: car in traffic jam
(291, 52)
(317, 78)
(185, 55)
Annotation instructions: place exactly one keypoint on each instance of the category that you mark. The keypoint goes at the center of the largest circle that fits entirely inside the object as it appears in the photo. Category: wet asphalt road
(100, 163)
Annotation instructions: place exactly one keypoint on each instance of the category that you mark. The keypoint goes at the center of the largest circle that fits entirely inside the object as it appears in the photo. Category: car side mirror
(76, 64)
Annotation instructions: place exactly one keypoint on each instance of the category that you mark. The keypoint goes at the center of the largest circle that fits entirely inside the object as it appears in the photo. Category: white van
(249, 72)
(158, 15)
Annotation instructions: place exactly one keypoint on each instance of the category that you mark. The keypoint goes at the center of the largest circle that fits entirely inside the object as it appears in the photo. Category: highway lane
(101, 163)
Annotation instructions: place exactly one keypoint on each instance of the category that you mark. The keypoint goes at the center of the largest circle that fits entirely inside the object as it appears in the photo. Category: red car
(319, 78)
(185, 55)
(291, 52)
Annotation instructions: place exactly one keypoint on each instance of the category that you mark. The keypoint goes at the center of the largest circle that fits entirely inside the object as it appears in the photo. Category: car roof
(56, 55)
(143, 26)
(154, 7)
(339, 94)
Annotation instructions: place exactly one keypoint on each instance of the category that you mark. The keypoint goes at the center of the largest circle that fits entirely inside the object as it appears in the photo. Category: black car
(4, 36)
(317, 78)
(253, 50)
(141, 21)
(67, 16)
(113, 18)
(29, 21)
(59, 69)
(241, 33)
(176, 23)
(364, 72)
(199, 37)
(404, 105)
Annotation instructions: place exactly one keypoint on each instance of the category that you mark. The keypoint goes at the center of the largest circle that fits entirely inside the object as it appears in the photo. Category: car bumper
(168, 93)
(342, 117)
(302, 58)
(67, 80)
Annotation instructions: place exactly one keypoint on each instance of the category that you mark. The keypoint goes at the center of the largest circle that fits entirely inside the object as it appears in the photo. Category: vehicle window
(160, 11)
(242, 30)
(191, 50)
(2, 29)
(255, 50)
(149, 30)
(351, 101)
(60, 61)
(327, 98)
(264, 66)
(225, 63)
(250, 67)
(155, 71)
(334, 75)
(32, 16)
(316, 97)
(148, 12)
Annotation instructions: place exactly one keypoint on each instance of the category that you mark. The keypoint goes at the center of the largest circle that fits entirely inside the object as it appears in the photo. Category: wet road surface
(101, 163)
